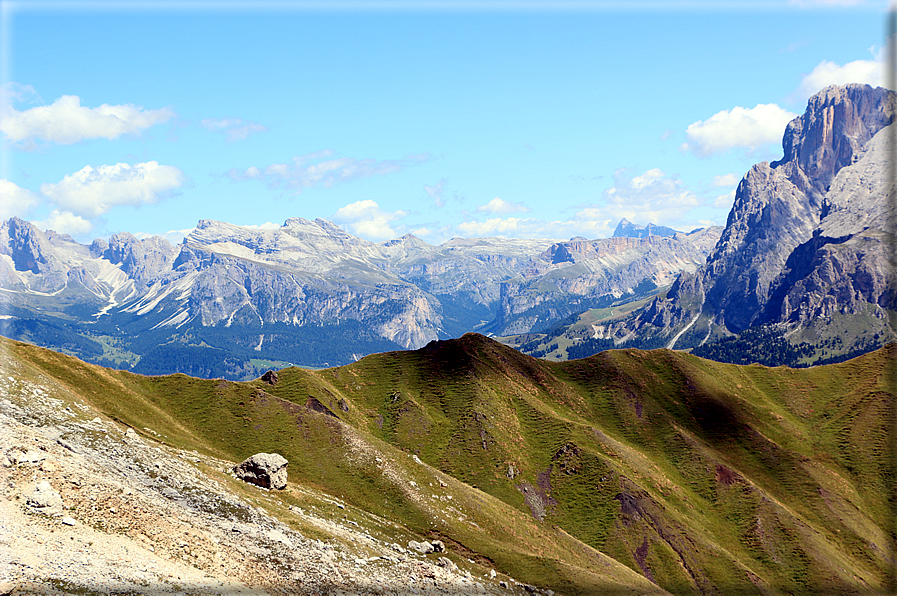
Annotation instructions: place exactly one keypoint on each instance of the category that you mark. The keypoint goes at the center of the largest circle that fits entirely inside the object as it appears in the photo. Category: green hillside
(628, 472)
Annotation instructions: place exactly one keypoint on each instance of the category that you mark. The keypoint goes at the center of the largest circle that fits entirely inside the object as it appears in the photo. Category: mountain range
(232, 301)
(797, 276)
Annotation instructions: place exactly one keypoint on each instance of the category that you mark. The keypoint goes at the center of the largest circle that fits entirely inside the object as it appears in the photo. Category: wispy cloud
(742, 128)
(66, 121)
(725, 201)
(322, 169)
(234, 129)
(651, 196)
(436, 193)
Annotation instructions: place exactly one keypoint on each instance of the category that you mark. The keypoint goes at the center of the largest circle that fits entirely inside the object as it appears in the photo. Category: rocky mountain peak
(24, 243)
(140, 259)
(803, 243)
(838, 122)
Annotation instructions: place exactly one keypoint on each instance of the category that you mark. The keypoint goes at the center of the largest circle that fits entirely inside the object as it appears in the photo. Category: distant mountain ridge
(627, 229)
(307, 292)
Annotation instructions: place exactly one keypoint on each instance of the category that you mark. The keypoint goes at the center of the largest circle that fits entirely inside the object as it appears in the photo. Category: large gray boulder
(44, 499)
(268, 470)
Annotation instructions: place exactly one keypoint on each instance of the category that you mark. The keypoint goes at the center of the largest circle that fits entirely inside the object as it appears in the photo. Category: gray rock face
(268, 470)
(142, 260)
(33, 255)
(805, 239)
(572, 277)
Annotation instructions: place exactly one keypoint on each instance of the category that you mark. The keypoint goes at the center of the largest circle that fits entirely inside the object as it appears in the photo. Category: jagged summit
(627, 229)
(804, 243)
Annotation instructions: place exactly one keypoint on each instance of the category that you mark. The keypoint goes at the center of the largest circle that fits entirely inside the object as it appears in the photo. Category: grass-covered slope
(599, 475)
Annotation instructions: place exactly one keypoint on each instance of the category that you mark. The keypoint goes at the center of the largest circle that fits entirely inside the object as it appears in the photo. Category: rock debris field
(92, 507)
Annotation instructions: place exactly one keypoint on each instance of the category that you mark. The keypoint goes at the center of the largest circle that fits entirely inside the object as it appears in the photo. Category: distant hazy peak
(627, 229)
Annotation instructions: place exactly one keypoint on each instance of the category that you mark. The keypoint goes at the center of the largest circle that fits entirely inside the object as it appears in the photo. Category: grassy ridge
(594, 475)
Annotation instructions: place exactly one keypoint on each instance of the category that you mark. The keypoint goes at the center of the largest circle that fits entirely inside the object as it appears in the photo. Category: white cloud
(94, 191)
(500, 206)
(12, 93)
(15, 200)
(516, 227)
(66, 121)
(316, 169)
(65, 222)
(646, 179)
(747, 128)
(870, 72)
(367, 220)
(235, 129)
(495, 226)
(730, 179)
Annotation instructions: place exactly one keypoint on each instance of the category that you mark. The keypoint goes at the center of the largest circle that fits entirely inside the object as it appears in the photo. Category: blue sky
(441, 119)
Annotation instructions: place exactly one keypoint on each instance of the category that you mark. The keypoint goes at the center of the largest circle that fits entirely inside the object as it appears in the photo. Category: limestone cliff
(804, 245)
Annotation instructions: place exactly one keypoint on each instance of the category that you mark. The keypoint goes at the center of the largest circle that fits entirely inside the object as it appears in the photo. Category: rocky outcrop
(142, 260)
(31, 253)
(833, 131)
(805, 239)
(44, 499)
(268, 470)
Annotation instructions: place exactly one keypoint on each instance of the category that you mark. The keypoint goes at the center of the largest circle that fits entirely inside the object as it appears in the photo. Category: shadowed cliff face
(805, 239)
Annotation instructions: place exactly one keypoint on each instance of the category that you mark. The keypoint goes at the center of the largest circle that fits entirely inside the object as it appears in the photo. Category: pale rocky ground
(124, 514)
